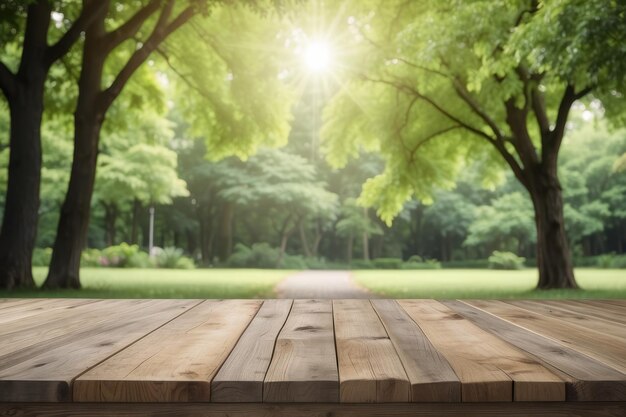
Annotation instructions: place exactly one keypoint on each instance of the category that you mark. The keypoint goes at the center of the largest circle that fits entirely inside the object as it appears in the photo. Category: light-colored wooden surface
(304, 366)
(586, 378)
(174, 363)
(44, 371)
(584, 339)
(431, 376)
(467, 356)
(241, 377)
(490, 369)
(370, 371)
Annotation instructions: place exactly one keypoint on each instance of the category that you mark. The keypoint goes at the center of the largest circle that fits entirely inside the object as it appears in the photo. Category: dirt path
(321, 284)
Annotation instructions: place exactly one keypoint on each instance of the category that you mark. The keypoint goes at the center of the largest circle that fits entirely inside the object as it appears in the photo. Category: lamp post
(151, 232)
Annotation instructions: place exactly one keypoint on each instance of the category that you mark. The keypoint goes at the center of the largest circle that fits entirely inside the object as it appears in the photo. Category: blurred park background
(210, 149)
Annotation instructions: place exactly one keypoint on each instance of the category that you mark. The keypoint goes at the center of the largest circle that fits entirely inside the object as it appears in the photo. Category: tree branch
(551, 151)
(160, 32)
(475, 107)
(539, 110)
(130, 28)
(430, 137)
(435, 105)
(7, 81)
(89, 12)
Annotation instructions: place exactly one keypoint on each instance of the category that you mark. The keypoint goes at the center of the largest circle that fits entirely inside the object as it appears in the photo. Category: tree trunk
(303, 240)
(226, 232)
(25, 93)
(349, 249)
(74, 219)
(88, 118)
(134, 228)
(553, 256)
(110, 218)
(19, 225)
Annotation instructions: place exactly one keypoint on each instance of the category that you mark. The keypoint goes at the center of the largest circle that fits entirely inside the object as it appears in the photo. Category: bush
(505, 260)
(361, 264)
(387, 263)
(91, 257)
(173, 258)
(293, 262)
(415, 258)
(259, 255)
(120, 256)
(42, 256)
(609, 260)
(467, 264)
(619, 261)
(428, 264)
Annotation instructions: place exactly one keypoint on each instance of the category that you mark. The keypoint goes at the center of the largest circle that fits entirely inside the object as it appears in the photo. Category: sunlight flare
(318, 56)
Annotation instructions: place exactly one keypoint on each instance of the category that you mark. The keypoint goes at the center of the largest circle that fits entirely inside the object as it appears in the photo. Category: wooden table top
(311, 351)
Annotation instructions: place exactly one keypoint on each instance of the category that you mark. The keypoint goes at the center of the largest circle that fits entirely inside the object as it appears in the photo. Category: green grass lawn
(257, 283)
(164, 283)
(483, 283)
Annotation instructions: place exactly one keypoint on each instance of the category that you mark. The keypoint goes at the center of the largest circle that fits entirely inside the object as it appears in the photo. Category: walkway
(321, 285)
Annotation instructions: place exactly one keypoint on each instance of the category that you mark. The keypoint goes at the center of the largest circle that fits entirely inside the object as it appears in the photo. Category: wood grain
(369, 367)
(586, 379)
(431, 376)
(46, 373)
(504, 409)
(16, 314)
(489, 368)
(581, 320)
(174, 363)
(241, 377)
(304, 366)
(580, 338)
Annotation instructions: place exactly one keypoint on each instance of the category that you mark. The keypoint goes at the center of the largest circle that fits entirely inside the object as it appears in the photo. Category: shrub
(91, 257)
(387, 263)
(173, 258)
(124, 256)
(259, 255)
(505, 260)
(467, 264)
(42, 256)
(619, 261)
(415, 258)
(428, 264)
(361, 264)
(293, 262)
(610, 260)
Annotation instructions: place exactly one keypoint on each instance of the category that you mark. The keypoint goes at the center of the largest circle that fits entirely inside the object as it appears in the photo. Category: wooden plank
(603, 347)
(10, 318)
(489, 368)
(304, 366)
(36, 335)
(174, 363)
(573, 316)
(584, 309)
(497, 409)
(369, 367)
(45, 372)
(614, 312)
(431, 376)
(241, 377)
(586, 379)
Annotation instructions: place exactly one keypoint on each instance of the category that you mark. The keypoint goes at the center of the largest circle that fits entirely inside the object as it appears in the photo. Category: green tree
(285, 188)
(110, 58)
(355, 222)
(439, 82)
(30, 46)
